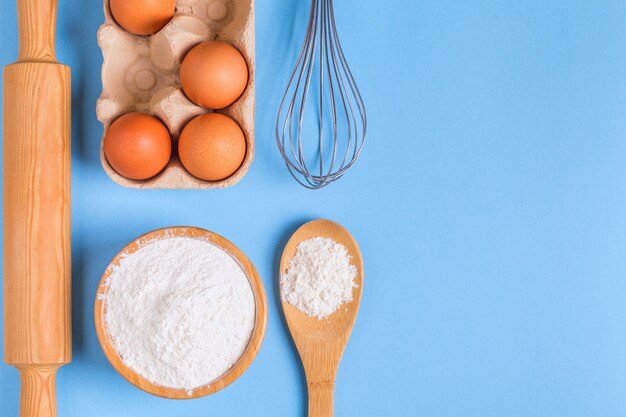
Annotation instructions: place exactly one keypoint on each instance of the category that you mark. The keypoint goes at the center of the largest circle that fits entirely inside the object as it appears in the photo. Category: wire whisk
(336, 145)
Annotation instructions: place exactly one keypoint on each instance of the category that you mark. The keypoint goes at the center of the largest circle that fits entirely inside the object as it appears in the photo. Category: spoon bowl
(321, 343)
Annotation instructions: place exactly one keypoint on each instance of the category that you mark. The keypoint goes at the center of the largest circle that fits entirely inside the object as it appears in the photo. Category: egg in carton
(140, 73)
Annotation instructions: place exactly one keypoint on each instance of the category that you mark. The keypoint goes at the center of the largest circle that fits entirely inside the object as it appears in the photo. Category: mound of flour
(319, 277)
(179, 312)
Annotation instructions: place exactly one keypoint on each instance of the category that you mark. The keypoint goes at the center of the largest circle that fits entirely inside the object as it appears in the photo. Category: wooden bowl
(257, 333)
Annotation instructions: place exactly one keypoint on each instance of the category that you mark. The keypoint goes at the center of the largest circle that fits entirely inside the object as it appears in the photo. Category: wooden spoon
(321, 343)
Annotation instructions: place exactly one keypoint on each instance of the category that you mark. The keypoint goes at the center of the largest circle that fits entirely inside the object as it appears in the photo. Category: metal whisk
(338, 143)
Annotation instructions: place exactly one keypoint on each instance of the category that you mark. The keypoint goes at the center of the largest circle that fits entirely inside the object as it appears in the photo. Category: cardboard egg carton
(140, 73)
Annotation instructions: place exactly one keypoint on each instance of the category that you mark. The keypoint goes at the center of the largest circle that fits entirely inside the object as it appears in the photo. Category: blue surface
(490, 206)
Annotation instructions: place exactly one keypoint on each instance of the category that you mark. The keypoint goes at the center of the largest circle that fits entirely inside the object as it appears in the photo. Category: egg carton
(140, 73)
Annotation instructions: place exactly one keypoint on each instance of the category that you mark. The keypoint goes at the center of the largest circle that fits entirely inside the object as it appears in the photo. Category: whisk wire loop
(339, 99)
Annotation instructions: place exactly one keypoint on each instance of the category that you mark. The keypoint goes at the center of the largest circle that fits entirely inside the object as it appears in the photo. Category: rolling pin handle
(37, 30)
(38, 390)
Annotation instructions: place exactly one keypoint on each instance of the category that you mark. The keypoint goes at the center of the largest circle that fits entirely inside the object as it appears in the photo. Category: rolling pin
(36, 146)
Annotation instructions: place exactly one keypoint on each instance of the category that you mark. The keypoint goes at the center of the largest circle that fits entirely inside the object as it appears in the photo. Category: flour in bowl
(319, 277)
(179, 312)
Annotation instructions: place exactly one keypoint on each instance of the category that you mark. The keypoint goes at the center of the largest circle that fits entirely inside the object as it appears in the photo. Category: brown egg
(137, 146)
(212, 147)
(142, 17)
(213, 74)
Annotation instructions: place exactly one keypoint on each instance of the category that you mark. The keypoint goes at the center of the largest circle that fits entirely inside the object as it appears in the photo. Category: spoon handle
(321, 399)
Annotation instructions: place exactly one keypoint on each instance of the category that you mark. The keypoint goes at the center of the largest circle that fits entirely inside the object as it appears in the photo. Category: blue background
(489, 203)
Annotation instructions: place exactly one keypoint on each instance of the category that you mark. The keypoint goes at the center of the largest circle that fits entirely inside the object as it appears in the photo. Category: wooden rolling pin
(37, 327)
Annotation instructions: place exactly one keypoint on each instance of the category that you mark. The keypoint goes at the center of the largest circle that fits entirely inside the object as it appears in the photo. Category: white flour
(319, 278)
(180, 312)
